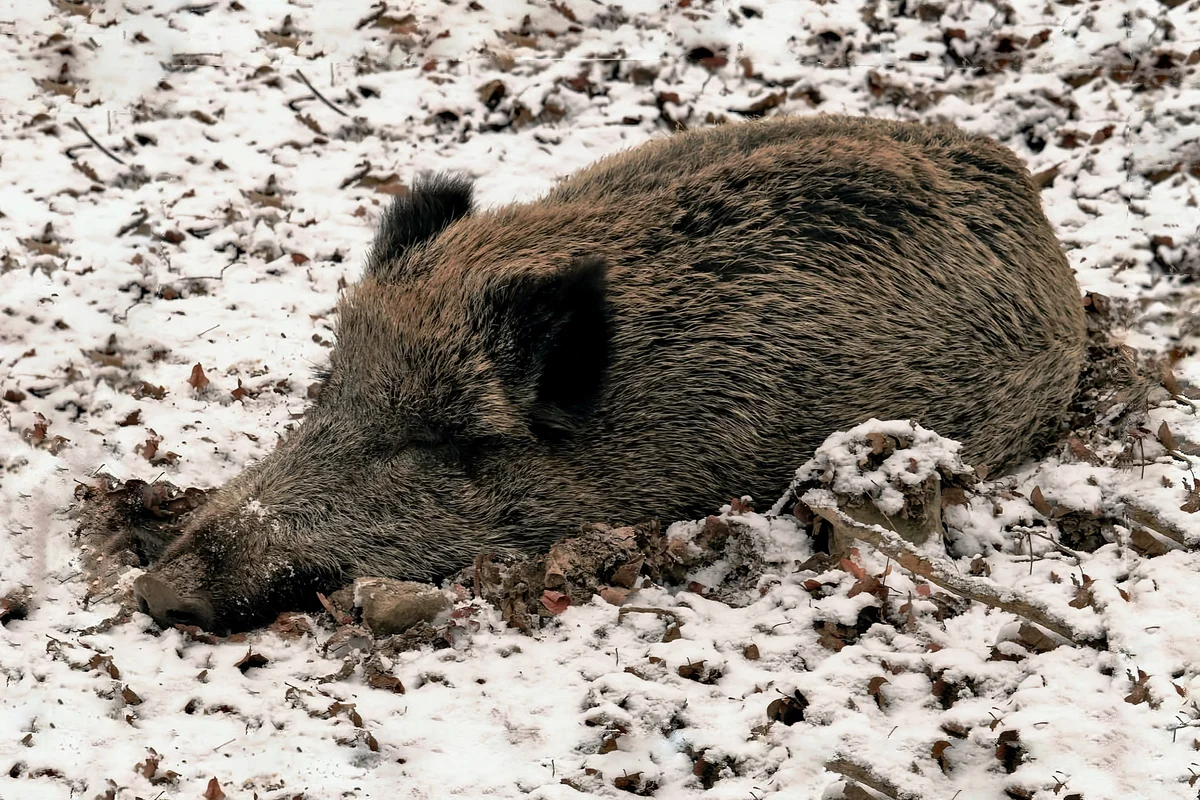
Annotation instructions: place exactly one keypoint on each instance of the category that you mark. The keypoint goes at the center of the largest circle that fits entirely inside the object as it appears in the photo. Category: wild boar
(674, 325)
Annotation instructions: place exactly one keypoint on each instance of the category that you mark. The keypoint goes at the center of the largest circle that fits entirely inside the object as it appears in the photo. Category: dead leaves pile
(609, 562)
(85, 658)
(133, 515)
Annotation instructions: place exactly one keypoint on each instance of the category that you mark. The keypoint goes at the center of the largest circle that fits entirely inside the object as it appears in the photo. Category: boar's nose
(167, 608)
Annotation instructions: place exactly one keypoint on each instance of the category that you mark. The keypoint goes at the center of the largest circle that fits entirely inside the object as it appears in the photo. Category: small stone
(390, 606)
(343, 599)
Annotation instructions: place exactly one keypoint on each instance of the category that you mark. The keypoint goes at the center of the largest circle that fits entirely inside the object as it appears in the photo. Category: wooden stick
(1149, 519)
(867, 776)
(941, 574)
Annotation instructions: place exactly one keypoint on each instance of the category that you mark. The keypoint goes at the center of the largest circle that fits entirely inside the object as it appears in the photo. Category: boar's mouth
(166, 607)
(188, 589)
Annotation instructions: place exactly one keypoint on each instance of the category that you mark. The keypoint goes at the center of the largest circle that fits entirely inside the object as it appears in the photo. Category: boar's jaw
(167, 608)
(175, 593)
(223, 576)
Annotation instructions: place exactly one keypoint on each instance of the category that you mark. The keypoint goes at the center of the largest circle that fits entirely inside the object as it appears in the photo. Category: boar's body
(674, 325)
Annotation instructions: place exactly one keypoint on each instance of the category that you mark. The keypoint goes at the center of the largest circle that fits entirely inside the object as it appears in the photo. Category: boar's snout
(167, 607)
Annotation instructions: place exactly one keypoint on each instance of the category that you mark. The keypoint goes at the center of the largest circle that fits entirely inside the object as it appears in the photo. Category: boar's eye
(430, 435)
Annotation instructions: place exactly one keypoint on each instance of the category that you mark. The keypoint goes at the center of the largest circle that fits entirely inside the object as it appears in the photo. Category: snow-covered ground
(174, 192)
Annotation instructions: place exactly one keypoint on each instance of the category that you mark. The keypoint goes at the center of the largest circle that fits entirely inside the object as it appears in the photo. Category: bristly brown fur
(674, 325)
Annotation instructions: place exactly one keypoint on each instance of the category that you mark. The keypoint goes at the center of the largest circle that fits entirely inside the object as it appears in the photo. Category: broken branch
(661, 612)
(944, 576)
(867, 776)
(1148, 519)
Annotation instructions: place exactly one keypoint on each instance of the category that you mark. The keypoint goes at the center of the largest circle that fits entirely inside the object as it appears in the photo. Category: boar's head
(458, 369)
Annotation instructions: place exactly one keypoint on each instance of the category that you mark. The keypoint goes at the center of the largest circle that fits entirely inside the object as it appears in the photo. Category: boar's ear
(555, 336)
(431, 205)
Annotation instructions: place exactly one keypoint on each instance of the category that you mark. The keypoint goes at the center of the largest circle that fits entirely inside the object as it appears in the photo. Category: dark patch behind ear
(557, 332)
(432, 205)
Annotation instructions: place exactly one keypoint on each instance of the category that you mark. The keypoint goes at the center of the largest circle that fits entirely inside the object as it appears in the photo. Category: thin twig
(92, 139)
(1062, 548)
(1174, 729)
(219, 277)
(142, 216)
(102, 598)
(379, 11)
(319, 96)
(357, 176)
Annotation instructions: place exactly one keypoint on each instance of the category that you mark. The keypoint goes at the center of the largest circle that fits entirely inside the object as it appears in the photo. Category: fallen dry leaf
(240, 393)
(143, 389)
(348, 709)
(104, 663)
(1083, 593)
(379, 679)
(1140, 692)
(148, 767)
(1009, 750)
(555, 602)
(291, 626)
(251, 660)
(1082, 451)
(198, 379)
(875, 689)
(1167, 438)
(1192, 504)
(788, 709)
(1040, 504)
(149, 448)
(939, 755)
